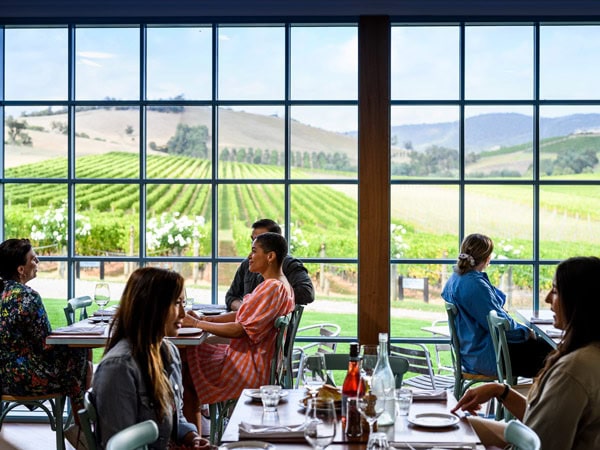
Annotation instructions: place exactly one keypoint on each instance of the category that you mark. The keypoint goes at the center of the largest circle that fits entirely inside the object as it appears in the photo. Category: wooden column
(374, 51)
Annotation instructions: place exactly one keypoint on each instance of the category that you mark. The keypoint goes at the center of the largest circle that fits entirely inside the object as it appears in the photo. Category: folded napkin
(435, 394)
(271, 432)
(105, 312)
(91, 329)
(434, 445)
(542, 321)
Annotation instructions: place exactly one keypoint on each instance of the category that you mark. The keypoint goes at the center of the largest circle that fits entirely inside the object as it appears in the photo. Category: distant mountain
(492, 131)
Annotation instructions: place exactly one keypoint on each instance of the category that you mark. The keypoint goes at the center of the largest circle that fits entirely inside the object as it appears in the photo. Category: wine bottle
(383, 382)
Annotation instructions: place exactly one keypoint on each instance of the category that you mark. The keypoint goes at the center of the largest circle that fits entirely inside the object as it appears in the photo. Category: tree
(16, 135)
(575, 161)
(224, 156)
(189, 141)
(241, 155)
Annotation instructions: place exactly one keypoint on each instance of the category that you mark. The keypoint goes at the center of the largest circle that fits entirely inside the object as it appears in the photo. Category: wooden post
(374, 53)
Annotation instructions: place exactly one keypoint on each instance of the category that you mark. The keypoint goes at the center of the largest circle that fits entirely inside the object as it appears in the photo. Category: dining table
(542, 323)
(416, 430)
(95, 335)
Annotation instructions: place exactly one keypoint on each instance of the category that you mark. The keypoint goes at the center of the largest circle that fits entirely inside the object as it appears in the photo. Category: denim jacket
(122, 398)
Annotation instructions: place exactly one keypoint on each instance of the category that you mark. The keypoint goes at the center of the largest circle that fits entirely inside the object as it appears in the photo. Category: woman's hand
(191, 319)
(194, 440)
(472, 399)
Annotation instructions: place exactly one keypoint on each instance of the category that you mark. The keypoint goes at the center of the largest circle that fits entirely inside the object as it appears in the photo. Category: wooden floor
(28, 436)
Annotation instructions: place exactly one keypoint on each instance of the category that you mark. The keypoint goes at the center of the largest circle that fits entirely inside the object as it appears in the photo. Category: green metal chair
(292, 329)
(135, 437)
(498, 328)
(54, 411)
(88, 419)
(419, 361)
(521, 436)
(77, 303)
(339, 361)
(462, 380)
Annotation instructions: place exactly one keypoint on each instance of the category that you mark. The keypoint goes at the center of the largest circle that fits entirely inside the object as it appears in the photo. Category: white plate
(247, 445)
(183, 331)
(254, 394)
(211, 312)
(434, 420)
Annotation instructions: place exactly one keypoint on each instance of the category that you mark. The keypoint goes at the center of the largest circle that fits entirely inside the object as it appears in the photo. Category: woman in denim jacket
(139, 377)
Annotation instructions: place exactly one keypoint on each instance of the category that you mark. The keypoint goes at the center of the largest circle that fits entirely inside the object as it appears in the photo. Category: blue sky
(425, 65)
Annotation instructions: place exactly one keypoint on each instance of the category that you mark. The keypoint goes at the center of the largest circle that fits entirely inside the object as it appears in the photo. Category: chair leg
(219, 415)
(58, 408)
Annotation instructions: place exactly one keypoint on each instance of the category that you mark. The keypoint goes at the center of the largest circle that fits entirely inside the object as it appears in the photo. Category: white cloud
(89, 62)
(96, 55)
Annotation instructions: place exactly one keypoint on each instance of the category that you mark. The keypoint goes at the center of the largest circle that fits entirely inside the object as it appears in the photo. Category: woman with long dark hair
(563, 406)
(139, 377)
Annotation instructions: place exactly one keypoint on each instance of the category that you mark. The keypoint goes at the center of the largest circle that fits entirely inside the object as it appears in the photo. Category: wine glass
(370, 405)
(313, 373)
(102, 295)
(320, 422)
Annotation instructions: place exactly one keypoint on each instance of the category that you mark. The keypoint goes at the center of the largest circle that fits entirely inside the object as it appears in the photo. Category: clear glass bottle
(351, 419)
(383, 382)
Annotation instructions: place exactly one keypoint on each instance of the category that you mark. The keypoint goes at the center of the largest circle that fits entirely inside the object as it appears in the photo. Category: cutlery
(253, 429)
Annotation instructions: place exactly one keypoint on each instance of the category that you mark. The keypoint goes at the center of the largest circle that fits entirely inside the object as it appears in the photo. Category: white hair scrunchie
(468, 258)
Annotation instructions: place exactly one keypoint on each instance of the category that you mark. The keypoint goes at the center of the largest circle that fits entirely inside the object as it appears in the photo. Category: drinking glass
(313, 373)
(102, 295)
(370, 405)
(320, 422)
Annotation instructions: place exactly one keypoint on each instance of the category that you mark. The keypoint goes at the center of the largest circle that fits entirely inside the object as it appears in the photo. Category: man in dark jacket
(245, 281)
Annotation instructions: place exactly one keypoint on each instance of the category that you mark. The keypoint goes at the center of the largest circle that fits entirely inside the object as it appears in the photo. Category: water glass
(320, 422)
(404, 399)
(378, 441)
(269, 395)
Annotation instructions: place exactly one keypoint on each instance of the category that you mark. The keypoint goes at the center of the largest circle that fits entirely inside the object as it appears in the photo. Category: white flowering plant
(505, 249)
(298, 243)
(51, 227)
(398, 246)
(517, 273)
(172, 232)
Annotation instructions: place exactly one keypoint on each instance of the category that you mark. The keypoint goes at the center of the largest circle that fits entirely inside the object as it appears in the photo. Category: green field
(325, 214)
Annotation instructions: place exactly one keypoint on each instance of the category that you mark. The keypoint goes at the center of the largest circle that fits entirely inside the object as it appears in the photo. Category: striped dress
(219, 371)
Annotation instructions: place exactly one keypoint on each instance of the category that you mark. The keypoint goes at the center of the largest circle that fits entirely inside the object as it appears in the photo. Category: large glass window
(136, 144)
(167, 142)
(491, 156)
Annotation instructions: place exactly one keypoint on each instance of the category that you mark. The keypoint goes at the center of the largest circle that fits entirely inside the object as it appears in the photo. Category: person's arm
(187, 433)
(116, 392)
(235, 293)
(191, 318)
(472, 400)
(230, 330)
(299, 279)
(33, 317)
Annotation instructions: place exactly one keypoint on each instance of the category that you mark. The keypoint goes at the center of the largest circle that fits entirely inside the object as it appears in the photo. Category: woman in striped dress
(221, 371)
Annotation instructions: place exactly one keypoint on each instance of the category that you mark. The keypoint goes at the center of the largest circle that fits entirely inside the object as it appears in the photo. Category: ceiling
(22, 10)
